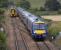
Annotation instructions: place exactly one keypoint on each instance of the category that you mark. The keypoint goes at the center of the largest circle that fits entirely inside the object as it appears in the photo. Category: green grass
(40, 3)
(44, 12)
(54, 28)
(2, 41)
(36, 3)
(1, 18)
(2, 37)
(2, 11)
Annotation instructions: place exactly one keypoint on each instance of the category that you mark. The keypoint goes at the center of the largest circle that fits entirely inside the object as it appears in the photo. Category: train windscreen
(39, 26)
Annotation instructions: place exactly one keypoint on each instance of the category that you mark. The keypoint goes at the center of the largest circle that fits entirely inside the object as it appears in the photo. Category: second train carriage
(36, 25)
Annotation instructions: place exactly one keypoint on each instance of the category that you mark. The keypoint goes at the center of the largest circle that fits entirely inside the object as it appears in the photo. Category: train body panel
(39, 32)
(36, 26)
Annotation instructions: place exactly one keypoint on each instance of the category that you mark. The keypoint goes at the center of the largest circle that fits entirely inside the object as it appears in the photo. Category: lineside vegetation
(2, 40)
(54, 28)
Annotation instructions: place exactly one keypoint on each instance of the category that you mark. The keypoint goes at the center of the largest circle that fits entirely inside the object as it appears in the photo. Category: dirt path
(53, 17)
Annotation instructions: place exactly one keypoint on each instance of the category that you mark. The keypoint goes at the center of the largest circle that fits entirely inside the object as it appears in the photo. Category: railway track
(24, 42)
(39, 45)
(9, 30)
(21, 40)
(30, 44)
(11, 35)
(50, 45)
(46, 45)
(14, 39)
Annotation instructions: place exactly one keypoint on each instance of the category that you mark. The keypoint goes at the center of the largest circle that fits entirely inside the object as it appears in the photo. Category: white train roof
(28, 15)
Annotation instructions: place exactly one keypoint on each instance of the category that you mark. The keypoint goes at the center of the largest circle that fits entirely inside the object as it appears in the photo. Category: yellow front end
(13, 13)
(39, 22)
(39, 32)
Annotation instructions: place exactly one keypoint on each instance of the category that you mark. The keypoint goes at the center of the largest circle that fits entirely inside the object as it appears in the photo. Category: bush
(52, 5)
(42, 9)
(1, 11)
(59, 12)
(35, 9)
(1, 17)
(2, 41)
(25, 4)
(53, 32)
(54, 28)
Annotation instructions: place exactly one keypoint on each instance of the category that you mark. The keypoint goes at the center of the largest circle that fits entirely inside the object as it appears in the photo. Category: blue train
(36, 25)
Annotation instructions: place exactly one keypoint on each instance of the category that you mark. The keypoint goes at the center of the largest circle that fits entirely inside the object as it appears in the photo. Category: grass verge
(2, 41)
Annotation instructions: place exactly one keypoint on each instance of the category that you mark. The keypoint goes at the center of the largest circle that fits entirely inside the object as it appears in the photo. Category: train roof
(30, 16)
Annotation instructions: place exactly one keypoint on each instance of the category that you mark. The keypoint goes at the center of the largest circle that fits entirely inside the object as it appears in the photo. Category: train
(35, 24)
(13, 12)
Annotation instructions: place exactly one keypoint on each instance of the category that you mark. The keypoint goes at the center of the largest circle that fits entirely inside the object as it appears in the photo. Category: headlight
(40, 32)
(34, 32)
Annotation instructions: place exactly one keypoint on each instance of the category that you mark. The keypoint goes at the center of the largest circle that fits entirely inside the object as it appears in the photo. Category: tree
(52, 5)
(42, 9)
(25, 4)
(3, 3)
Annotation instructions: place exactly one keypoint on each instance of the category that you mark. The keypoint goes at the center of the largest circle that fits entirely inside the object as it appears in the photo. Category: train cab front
(39, 34)
(13, 13)
(39, 30)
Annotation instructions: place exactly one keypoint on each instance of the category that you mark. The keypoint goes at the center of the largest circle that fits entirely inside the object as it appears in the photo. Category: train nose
(39, 32)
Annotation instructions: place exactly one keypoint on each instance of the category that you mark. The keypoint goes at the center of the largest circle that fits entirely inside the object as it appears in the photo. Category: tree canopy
(25, 4)
(52, 5)
(3, 3)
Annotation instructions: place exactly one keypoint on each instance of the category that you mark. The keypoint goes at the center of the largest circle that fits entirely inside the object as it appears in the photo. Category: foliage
(25, 4)
(1, 18)
(2, 41)
(59, 12)
(1, 11)
(52, 5)
(3, 3)
(54, 28)
(2, 37)
(42, 9)
(36, 3)
(35, 9)
(38, 12)
(53, 31)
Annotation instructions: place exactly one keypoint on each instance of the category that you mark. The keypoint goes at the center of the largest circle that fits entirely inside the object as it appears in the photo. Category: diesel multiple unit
(13, 12)
(36, 25)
